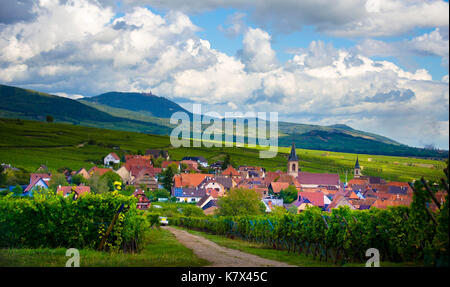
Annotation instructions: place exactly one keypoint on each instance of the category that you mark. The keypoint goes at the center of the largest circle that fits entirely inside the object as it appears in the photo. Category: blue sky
(310, 61)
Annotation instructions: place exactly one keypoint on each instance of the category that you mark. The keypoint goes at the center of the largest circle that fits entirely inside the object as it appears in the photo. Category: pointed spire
(293, 154)
(357, 163)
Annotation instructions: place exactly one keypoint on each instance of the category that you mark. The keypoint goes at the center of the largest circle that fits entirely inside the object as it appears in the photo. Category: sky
(376, 65)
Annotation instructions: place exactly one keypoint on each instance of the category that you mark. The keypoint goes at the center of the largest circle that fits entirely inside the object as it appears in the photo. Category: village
(195, 181)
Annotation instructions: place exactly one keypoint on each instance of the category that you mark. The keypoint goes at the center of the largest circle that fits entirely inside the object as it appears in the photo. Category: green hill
(150, 114)
(139, 102)
(32, 105)
(28, 144)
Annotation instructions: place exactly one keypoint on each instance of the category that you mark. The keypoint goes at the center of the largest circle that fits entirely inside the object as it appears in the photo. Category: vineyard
(52, 221)
(401, 234)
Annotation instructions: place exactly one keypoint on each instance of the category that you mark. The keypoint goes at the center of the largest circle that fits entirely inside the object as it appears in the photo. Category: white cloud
(79, 48)
(73, 97)
(235, 25)
(435, 43)
(257, 53)
(342, 18)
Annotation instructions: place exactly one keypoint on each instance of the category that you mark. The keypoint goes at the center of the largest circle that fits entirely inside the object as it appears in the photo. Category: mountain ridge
(28, 104)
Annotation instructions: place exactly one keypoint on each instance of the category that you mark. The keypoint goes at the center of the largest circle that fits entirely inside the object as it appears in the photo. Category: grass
(161, 250)
(28, 144)
(280, 255)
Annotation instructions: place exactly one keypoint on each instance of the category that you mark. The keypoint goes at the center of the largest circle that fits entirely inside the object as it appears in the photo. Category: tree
(17, 190)
(167, 177)
(98, 184)
(127, 191)
(49, 119)
(57, 180)
(2, 176)
(240, 201)
(78, 179)
(226, 161)
(110, 178)
(289, 194)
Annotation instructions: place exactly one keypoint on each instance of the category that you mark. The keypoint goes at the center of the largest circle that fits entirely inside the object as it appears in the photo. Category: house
(315, 198)
(125, 175)
(276, 187)
(98, 171)
(340, 200)
(83, 173)
(111, 158)
(77, 190)
(227, 182)
(145, 177)
(217, 166)
(199, 159)
(190, 194)
(213, 187)
(190, 179)
(166, 163)
(206, 201)
(191, 165)
(270, 203)
(251, 171)
(35, 184)
(157, 153)
(231, 172)
(312, 180)
(143, 201)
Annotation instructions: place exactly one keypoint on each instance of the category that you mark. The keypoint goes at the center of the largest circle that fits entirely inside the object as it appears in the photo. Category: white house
(111, 158)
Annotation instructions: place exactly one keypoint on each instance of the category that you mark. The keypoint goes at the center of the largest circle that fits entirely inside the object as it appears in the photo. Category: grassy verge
(161, 250)
(280, 255)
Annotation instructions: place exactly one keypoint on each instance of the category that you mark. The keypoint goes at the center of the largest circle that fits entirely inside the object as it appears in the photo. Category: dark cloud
(13, 11)
(392, 96)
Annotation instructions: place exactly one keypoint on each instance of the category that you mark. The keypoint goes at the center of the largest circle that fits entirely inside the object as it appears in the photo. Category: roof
(357, 163)
(34, 182)
(99, 171)
(114, 155)
(225, 181)
(318, 178)
(278, 186)
(231, 171)
(293, 154)
(45, 176)
(166, 163)
(397, 189)
(80, 190)
(195, 158)
(316, 198)
(189, 179)
(193, 192)
(156, 153)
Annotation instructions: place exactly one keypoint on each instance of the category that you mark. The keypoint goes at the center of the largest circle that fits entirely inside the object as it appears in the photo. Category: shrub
(54, 221)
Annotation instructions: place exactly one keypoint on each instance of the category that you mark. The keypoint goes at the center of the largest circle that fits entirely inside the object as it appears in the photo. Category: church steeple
(293, 154)
(357, 170)
(293, 162)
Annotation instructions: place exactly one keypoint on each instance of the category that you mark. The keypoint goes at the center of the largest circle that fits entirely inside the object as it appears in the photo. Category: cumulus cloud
(82, 48)
(435, 43)
(234, 25)
(341, 18)
(257, 53)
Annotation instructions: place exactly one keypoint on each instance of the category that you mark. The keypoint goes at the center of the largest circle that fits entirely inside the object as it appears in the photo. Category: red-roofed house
(276, 187)
(99, 171)
(311, 180)
(111, 158)
(78, 190)
(231, 172)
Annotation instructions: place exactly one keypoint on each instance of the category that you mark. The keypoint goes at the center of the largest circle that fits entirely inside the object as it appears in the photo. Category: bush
(54, 221)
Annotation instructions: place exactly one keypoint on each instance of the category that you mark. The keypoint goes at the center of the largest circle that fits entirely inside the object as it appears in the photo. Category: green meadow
(28, 144)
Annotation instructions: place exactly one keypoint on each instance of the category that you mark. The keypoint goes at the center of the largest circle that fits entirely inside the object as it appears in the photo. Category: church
(309, 179)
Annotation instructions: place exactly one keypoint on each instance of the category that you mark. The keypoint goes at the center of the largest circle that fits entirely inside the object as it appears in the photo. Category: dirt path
(221, 256)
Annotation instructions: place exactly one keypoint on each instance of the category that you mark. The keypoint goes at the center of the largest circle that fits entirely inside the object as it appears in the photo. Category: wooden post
(427, 187)
(110, 227)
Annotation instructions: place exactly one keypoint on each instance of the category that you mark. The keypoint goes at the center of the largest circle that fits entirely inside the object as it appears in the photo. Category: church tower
(357, 170)
(293, 162)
